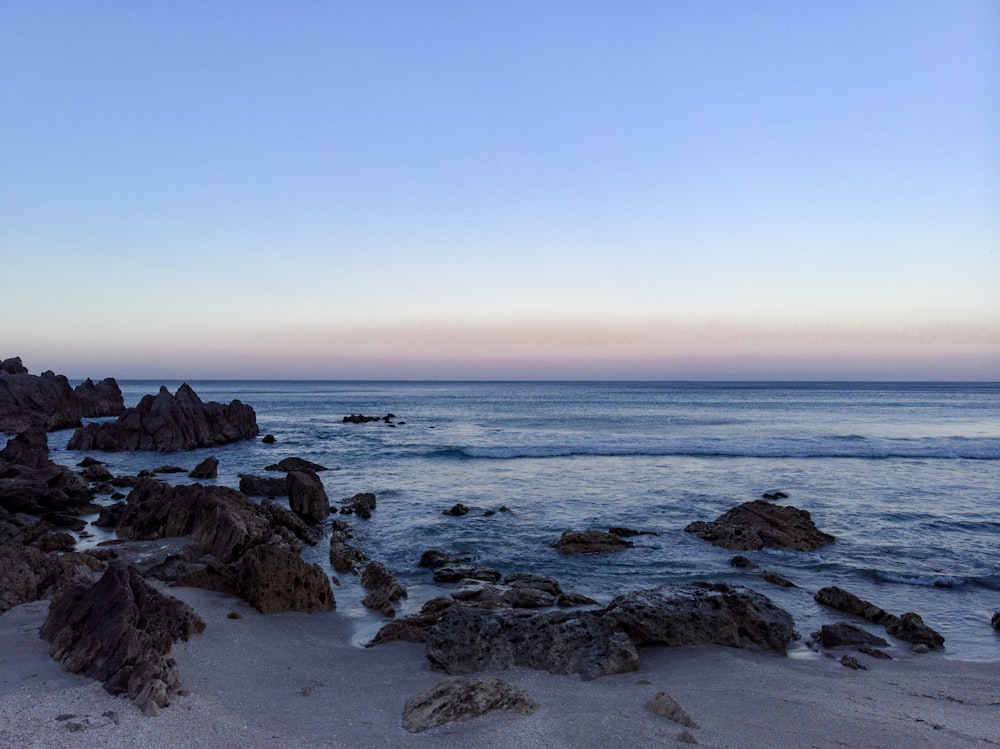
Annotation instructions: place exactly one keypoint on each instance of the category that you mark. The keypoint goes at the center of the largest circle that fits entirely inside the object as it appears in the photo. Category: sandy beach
(295, 680)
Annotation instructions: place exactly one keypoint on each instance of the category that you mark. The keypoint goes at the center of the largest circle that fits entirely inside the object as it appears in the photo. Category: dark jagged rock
(110, 515)
(455, 574)
(841, 600)
(119, 631)
(268, 439)
(101, 399)
(456, 510)
(13, 366)
(434, 558)
(264, 486)
(845, 633)
(96, 473)
(169, 423)
(910, 628)
(414, 628)
(527, 580)
(754, 525)
(222, 522)
(28, 400)
(995, 621)
(207, 469)
(702, 614)
(383, 589)
(344, 557)
(466, 640)
(295, 464)
(31, 483)
(741, 562)
(360, 504)
(274, 579)
(28, 574)
(590, 542)
(307, 497)
(461, 699)
(569, 600)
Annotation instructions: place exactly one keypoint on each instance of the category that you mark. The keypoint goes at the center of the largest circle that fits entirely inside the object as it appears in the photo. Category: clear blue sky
(513, 189)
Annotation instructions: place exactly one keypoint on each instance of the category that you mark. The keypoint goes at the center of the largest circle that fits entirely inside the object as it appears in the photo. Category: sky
(502, 190)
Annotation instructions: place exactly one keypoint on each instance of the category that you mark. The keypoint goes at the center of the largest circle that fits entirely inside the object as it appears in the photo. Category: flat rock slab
(463, 699)
(590, 542)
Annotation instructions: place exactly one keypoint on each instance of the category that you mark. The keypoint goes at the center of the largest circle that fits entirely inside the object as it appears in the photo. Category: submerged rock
(754, 525)
(590, 542)
(461, 699)
(845, 633)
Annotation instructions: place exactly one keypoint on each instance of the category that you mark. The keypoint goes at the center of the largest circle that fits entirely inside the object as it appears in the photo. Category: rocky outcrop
(909, 627)
(274, 579)
(13, 366)
(264, 486)
(462, 699)
(119, 631)
(31, 483)
(383, 589)
(167, 423)
(28, 400)
(754, 525)
(414, 628)
(100, 399)
(702, 614)
(590, 542)
(846, 634)
(295, 464)
(306, 496)
(207, 469)
(360, 504)
(465, 640)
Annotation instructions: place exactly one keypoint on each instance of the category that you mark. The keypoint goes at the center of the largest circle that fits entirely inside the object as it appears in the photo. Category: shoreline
(296, 680)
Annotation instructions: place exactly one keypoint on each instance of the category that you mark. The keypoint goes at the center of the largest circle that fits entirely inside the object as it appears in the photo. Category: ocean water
(906, 476)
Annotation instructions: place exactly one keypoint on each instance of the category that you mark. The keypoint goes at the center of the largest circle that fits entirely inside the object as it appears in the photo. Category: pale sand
(295, 680)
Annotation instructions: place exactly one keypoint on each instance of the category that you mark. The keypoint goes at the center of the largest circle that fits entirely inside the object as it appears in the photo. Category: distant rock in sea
(754, 525)
(167, 423)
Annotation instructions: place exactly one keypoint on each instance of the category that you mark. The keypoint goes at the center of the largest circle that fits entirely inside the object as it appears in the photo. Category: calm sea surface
(906, 476)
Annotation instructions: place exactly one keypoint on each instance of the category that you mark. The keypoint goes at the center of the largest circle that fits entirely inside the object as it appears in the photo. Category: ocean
(905, 475)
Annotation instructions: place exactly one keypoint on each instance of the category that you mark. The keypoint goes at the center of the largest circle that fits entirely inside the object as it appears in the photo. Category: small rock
(911, 628)
(234, 615)
(207, 469)
(921, 648)
(686, 737)
(295, 464)
(741, 562)
(268, 439)
(665, 706)
(851, 662)
(845, 633)
(995, 621)
(463, 699)
(775, 579)
(456, 510)
(874, 653)
(589, 542)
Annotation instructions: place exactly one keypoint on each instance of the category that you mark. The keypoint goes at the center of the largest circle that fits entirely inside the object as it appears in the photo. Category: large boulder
(460, 699)
(306, 496)
(168, 423)
(274, 579)
(119, 631)
(754, 525)
(465, 640)
(702, 614)
(207, 469)
(909, 627)
(101, 399)
(28, 400)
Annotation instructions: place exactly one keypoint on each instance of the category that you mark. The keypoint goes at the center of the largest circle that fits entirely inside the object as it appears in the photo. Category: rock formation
(845, 633)
(306, 496)
(383, 589)
(909, 627)
(702, 613)
(28, 574)
(264, 486)
(168, 423)
(274, 579)
(295, 464)
(589, 542)
(28, 400)
(207, 469)
(466, 640)
(754, 525)
(101, 399)
(30, 482)
(461, 699)
(119, 631)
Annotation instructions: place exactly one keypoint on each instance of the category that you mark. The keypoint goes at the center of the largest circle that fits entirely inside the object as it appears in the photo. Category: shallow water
(906, 476)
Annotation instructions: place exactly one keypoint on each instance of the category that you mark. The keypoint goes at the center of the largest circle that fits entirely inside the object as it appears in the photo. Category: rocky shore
(501, 654)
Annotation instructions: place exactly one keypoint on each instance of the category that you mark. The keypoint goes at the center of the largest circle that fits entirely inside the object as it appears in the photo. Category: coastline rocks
(207, 469)
(13, 366)
(466, 640)
(590, 542)
(168, 423)
(119, 631)
(383, 589)
(306, 496)
(274, 579)
(844, 633)
(31, 483)
(264, 486)
(295, 464)
(702, 614)
(28, 400)
(910, 628)
(461, 699)
(756, 524)
(28, 574)
(101, 399)
(360, 504)
(841, 600)
(457, 574)
(413, 628)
